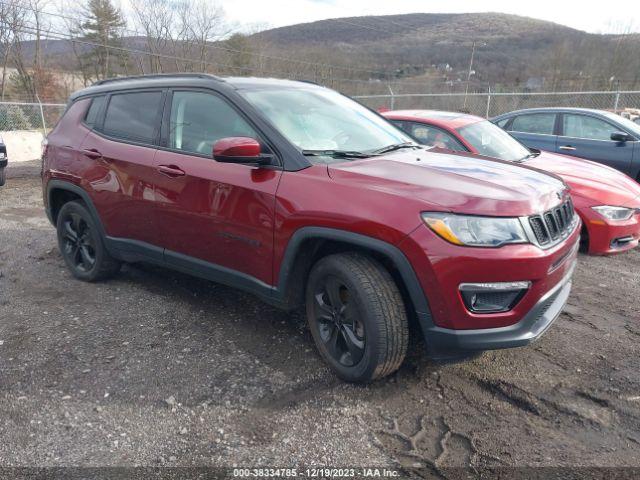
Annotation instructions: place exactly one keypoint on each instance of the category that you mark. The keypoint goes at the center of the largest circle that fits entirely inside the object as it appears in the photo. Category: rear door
(120, 152)
(589, 137)
(535, 130)
(219, 213)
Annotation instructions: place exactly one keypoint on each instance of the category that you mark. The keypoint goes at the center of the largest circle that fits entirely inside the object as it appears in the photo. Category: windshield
(490, 140)
(322, 120)
(625, 122)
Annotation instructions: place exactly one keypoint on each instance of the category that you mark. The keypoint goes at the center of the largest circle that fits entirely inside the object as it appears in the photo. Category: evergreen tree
(239, 53)
(103, 26)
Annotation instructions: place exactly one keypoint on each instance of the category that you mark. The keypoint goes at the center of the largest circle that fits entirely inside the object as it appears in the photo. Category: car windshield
(490, 140)
(625, 122)
(322, 122)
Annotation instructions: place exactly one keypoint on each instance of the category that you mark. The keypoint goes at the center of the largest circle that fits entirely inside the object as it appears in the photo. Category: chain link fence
(41, 117)
(491, 104)
(17, 116)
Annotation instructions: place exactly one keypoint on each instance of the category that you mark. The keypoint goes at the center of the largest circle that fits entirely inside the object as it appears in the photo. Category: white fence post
(44, 125)
(393, 98)
(488, 101)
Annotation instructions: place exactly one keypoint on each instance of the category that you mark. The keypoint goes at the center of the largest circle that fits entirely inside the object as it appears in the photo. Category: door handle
(92, 153)
(567, 147)
(171, 171)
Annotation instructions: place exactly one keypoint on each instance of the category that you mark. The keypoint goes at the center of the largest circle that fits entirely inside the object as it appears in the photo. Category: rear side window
(540, 123)
(91, 117)
(133, 116)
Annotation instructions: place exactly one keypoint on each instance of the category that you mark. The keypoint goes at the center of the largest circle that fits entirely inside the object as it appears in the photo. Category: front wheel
(357, 316)
(3, 176)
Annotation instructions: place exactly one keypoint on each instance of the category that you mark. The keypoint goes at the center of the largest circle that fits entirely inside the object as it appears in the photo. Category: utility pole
(466, 91)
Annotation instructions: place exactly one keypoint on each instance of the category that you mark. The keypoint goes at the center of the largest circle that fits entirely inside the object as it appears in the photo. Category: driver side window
(430, 135)
(583, 126)
(199, 119)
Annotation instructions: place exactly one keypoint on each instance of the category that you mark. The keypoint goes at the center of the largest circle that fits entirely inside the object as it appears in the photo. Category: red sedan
(607, 200)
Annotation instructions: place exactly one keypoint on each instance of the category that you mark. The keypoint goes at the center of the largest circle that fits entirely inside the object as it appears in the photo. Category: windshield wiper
(396, 146)
(336, 153)
(524, 159)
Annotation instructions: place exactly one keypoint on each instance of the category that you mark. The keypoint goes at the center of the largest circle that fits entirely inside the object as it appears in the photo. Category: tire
(357, 317)
(82, 246)
(3, 176)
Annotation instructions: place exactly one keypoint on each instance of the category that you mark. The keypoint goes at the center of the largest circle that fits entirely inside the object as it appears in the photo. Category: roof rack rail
(156, 75)
(310, 82)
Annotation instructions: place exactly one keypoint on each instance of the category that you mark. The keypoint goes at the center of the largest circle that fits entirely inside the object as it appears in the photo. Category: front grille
(553, 224)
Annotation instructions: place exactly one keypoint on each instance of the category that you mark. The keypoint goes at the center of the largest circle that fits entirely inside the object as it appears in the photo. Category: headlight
(475, 231)
(615, 213)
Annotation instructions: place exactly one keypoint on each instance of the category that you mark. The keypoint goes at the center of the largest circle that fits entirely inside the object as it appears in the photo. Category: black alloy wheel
(340, 327)
(357, 316)
(78, 247)
(81, 244)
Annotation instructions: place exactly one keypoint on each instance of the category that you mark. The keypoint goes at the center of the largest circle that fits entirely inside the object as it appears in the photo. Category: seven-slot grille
(553, 224)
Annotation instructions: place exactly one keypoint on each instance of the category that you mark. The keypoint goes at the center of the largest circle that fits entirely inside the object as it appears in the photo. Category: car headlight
(615, 213)
(476, 231)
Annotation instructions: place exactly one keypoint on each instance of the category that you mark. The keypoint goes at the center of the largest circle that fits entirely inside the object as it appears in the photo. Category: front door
(218, 213)
(590, 137)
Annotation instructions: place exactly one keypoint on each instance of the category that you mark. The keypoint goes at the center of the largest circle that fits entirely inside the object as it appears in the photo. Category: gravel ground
(156, 368)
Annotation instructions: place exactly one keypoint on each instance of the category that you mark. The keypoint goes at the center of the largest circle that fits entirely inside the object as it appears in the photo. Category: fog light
(492, 297)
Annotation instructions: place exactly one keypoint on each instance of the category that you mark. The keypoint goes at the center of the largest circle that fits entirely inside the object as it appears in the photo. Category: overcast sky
(592, 16)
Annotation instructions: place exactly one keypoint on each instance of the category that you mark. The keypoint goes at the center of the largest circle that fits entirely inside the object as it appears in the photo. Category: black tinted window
(541, 123)
(94, 110)
(133, 116)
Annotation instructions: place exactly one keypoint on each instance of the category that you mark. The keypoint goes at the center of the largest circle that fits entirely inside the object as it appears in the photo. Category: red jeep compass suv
(302, 196)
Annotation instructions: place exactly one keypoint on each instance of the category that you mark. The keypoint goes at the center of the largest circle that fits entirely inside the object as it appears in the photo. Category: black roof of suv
(187, 80)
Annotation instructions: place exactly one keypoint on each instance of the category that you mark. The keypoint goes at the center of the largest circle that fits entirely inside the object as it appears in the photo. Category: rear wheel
(82, 246)
(356, 316)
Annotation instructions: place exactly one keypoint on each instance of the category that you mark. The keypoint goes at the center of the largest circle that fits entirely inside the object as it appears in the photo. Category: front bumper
(450, 328)
(608, 238)
(444, 342)
(442, 267)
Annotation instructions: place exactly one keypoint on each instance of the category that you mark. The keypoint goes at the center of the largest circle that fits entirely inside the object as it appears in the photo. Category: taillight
(44, 145)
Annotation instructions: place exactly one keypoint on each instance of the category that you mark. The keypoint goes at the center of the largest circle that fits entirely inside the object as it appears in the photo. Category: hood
(593, 181)
(461, 184)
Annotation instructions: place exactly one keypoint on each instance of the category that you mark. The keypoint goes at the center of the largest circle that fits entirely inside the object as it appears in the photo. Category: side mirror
(244, 150)
(620, 137)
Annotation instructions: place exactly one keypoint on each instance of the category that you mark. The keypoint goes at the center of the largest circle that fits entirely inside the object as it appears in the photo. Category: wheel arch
(60, 192)
(309, 244)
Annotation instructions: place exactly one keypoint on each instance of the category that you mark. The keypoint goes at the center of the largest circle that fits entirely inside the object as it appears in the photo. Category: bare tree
(12, 16)
(31, 78)
(156, 19)
(72, 19)
(207, 24)
(180, 28)
(41, 24)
